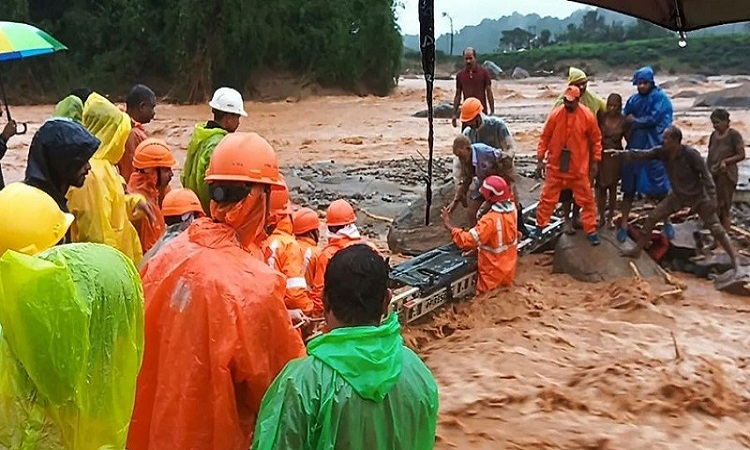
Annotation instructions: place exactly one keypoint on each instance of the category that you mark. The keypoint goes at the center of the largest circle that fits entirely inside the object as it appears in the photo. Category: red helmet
(495, 189)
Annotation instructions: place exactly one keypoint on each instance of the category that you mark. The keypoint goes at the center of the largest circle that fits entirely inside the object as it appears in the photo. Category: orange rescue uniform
(496, 238)
(136, 136)
(310, 253)
(145, 184)
(579, 132)
(335, 244)
(285, 254)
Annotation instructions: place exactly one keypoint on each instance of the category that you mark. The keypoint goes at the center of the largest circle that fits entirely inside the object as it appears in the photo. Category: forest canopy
(189, 47)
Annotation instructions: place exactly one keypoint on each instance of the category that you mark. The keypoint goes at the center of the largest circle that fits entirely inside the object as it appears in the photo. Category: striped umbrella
(19, 41)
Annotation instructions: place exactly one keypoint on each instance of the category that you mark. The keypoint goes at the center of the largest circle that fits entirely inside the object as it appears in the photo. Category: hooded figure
(179, 209)
(360, 387)
(650, 112)
(578, 78)
(59, 153)
(103, 212)
(152, 162)
(71, 348)
(216, 325)
(71, 107)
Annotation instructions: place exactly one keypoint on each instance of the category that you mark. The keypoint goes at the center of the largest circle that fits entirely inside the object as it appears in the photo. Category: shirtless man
(692, 186)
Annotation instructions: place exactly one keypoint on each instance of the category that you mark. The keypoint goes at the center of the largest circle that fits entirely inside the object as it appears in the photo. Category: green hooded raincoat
(360, 388)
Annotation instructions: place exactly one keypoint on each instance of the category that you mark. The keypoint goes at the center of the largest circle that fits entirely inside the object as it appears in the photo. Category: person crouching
(495, 236)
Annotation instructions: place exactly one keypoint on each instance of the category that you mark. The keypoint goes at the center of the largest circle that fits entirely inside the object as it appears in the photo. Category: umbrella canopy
(680, 15)
(20, 40)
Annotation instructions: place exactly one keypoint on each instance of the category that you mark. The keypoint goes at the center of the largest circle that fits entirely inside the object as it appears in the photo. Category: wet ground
(550, 363)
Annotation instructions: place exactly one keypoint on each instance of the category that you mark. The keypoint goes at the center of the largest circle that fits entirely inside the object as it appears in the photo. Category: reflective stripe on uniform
(501, 248)
(475, 236)
(296, 283)
(308, 258)
(272, 259)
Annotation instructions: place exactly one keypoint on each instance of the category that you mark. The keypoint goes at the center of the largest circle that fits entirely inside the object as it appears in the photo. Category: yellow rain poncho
(102, 209)
(70, 350)
(596, 104)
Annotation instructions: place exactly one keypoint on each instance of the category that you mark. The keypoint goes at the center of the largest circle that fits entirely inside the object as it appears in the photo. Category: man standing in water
(473, 81)
(649, 113)
(692, 185)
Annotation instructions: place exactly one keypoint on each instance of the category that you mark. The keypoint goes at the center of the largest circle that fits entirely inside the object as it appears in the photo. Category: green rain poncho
(71, 348)
(199, 152)
(70, 107)
(360, 388)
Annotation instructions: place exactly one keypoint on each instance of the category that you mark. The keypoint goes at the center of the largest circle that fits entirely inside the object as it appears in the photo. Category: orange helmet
(340, 213)
(244, 157)
(181, 201)
(305, 220)
(495, 189)
(153, 153)
(470, 109)
(280, 203)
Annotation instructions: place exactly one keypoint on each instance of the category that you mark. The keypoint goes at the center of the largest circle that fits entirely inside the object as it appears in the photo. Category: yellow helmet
(30, 220)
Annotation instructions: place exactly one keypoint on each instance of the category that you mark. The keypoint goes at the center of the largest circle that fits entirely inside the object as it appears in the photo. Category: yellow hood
(109, 124)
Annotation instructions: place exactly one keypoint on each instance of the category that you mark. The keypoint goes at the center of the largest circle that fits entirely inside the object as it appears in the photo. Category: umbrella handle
(19, 130)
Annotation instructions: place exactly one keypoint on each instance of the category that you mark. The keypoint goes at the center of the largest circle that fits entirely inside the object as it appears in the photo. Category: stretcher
(446, 274)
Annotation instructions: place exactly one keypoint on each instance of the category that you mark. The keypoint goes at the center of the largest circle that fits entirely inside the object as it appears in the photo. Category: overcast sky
(471, 12)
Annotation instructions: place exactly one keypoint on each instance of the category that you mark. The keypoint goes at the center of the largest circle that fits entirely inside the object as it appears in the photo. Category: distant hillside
(485, 36)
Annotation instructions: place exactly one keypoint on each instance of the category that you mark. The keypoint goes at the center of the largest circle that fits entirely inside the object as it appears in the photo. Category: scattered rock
(686, 94)
(519, 74)
(441, 111)
(352, 140)
(610, 77)
(737, 80)
(495, 71)
(410, 236)
(737, 284)
(684, 81)
(575, 256)
(737, 97)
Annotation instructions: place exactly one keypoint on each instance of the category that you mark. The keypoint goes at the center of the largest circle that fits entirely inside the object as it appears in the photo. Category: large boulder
(440, 111)
(736, 97)
(495, 71)
(410, 236)
(684, 81)
(519, 74)
(575, 256)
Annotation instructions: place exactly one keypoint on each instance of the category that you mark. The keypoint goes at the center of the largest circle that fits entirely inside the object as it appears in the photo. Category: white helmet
(229, 101)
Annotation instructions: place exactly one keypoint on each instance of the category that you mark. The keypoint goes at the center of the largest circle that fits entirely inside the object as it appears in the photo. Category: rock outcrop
(575, 256)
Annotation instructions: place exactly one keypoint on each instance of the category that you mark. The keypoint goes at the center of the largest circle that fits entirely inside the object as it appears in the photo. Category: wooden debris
(677, 355)
(376, 217)
(635, 270)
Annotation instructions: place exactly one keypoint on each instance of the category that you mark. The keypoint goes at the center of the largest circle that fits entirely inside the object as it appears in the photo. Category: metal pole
(427, 46)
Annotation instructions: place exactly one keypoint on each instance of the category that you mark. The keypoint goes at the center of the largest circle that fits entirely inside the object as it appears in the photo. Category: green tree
(515, 39)
(545, 37)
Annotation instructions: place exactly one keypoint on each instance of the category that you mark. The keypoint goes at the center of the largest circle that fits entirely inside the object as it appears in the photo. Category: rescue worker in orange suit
(307, 231)
(284, 253)
(495, 236)
(180, 208)
(342, 232)
(216, 328)
(567, 139)
(153, 161)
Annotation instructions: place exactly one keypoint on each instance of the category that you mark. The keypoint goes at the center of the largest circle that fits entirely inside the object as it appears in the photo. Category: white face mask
(350, 231)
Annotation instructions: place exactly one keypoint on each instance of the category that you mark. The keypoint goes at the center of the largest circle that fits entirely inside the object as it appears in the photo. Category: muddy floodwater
(550, 363)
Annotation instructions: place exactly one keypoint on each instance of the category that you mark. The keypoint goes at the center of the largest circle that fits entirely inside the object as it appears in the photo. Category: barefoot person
(692, 185)
(614, 129)
(725, 149)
